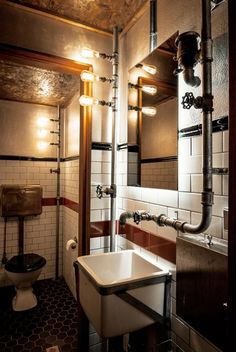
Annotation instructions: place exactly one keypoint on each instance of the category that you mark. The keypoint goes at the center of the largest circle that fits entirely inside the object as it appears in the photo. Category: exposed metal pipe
(207, 106)
(153, 25)
(58, 196)
(115, 71)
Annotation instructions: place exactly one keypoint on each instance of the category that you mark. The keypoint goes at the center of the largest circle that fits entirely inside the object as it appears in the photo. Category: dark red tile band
(63, 201)
(153, 243)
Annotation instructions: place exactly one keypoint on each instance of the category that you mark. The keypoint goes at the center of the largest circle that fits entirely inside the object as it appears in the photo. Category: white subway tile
(96, 167)
(215, 228)
(217, 184)
(217, 142)
(196, 183)
(184, 146)
(220, 202)
(225, 141)
(190, 201)
(95, 243)
(225, 185)
(197, 145)
(184, 182)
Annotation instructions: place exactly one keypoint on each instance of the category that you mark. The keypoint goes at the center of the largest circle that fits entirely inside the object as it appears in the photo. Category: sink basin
(121, 292)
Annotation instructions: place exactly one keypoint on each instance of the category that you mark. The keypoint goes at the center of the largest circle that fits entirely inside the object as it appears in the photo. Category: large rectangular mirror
(153, 120)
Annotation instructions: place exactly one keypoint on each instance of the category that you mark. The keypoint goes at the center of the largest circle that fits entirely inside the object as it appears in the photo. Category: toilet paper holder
(72, 243)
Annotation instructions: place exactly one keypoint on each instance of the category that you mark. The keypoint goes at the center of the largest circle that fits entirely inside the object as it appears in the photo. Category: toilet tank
(20, 200)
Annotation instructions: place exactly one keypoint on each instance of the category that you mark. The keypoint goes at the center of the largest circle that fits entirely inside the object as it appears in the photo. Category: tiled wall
(70, 223)
(100, 175)
(185, 203)
(39, 230)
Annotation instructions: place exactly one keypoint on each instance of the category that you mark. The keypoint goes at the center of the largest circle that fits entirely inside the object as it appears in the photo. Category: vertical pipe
(153, 25)
(58, 191)
(207, 93)
(115, 70)
(207, 194)
(21, 235)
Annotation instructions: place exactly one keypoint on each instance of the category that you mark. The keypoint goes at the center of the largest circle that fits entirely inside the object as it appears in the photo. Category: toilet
(23, 270)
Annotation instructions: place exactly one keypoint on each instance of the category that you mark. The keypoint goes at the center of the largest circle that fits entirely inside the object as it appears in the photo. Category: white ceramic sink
(104, 280)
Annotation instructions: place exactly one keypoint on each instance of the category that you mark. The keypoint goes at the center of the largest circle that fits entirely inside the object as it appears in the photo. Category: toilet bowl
(23, 270)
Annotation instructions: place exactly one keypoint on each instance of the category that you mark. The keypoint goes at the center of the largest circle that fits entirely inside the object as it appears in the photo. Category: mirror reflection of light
(133, 96)
(149, 89)
(150, 69)
(88, 76)
(42, 145)
(86, 100)
(42, 133)
(149, 110)
(89, 53)
(42, 121)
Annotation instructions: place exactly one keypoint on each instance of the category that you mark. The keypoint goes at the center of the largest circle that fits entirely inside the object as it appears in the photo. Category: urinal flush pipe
(207, 108)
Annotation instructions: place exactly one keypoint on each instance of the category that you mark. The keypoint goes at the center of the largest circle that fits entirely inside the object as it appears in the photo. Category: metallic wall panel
(202, 290)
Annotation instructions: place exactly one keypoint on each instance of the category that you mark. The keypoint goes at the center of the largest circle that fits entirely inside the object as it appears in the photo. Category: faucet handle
(137, 217)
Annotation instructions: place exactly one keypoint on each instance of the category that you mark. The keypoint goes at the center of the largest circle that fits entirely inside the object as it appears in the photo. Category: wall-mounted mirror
(153, 120)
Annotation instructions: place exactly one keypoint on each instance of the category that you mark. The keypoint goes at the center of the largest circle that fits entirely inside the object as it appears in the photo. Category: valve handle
(99, 191)
(187, 100)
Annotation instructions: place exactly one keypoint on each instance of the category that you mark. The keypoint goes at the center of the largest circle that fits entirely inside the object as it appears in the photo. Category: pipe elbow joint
(190, 78)
(124, 216)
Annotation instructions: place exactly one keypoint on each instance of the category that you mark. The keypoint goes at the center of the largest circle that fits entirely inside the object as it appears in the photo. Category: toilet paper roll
(71, 244)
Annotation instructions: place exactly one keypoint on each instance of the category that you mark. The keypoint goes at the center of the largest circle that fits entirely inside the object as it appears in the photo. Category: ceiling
(101, 14)
(24, 83)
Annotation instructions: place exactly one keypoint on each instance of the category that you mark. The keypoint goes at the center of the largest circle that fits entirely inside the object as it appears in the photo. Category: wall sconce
(146, 110)
(148, 68)
(89, 54)
(86, 100)
(43, 122)
(149, 89)
(88, 76)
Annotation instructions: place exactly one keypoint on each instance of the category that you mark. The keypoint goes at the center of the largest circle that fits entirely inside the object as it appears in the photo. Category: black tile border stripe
(101, 146)
(221, 124)
(159, 160)
(33, 158)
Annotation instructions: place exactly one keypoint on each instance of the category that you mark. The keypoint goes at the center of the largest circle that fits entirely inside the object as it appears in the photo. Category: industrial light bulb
(86, 100)
(150, 69)
(88, 76)
(89, 53)
(149, 89)
(42, 121)
(149, 110)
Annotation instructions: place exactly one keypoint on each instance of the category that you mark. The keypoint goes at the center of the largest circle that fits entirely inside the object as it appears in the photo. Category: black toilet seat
(25, 263)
